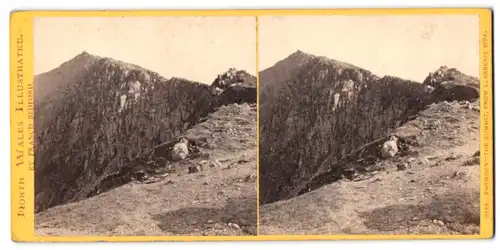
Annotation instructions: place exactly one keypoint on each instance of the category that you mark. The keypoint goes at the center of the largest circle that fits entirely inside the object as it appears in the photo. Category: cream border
(21, 24)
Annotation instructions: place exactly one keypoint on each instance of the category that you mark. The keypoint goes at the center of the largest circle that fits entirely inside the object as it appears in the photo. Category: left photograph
(145, 126)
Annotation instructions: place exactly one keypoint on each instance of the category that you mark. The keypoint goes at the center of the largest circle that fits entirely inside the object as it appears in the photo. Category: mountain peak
(299, 54)
(85, 54)
(284, 68)
(81, 60)
(446, 74)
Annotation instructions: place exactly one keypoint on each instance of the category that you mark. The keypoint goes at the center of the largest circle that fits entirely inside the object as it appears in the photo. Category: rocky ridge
(102, 116)
(310, 115)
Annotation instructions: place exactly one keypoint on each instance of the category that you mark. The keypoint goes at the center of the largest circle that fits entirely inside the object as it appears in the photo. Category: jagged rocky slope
(315, 115)
(218, 199)
(431, 186)
(96, 116)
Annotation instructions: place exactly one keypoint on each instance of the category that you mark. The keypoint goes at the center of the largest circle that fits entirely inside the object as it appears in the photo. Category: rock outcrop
(235, 86)
(234, 77)
(445, 74)
(450, 84)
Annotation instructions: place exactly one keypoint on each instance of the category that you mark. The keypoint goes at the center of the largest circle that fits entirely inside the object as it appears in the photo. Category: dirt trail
(437, 192)
(219, 200)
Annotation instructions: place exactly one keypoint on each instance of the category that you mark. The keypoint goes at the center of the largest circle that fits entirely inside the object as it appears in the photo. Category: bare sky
(405, 46)
(196, 48)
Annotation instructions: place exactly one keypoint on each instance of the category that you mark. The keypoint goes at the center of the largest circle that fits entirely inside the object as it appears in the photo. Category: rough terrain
(327, 175)
(218, 200)
(105, 130)
(436, 192)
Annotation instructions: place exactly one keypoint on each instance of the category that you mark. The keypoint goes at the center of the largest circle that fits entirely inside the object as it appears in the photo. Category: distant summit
(235, 86)
(236, 77)
(444, 74)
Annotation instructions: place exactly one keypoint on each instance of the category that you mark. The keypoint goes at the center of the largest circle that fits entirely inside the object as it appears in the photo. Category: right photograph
(369, 125)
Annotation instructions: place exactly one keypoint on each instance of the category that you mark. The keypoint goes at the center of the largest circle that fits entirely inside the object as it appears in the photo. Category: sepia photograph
(145, 126)
(369, 125)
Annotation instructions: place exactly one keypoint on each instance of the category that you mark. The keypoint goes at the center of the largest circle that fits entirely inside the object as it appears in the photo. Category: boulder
(389, 148)
(180, 150)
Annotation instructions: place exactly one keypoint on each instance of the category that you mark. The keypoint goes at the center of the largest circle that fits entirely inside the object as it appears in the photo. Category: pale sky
(196, 48)
(404, 46)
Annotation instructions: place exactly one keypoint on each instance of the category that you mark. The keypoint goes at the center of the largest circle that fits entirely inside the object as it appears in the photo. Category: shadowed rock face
(324, 112)
(238, 94)
(93, 124)
(454, 92)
